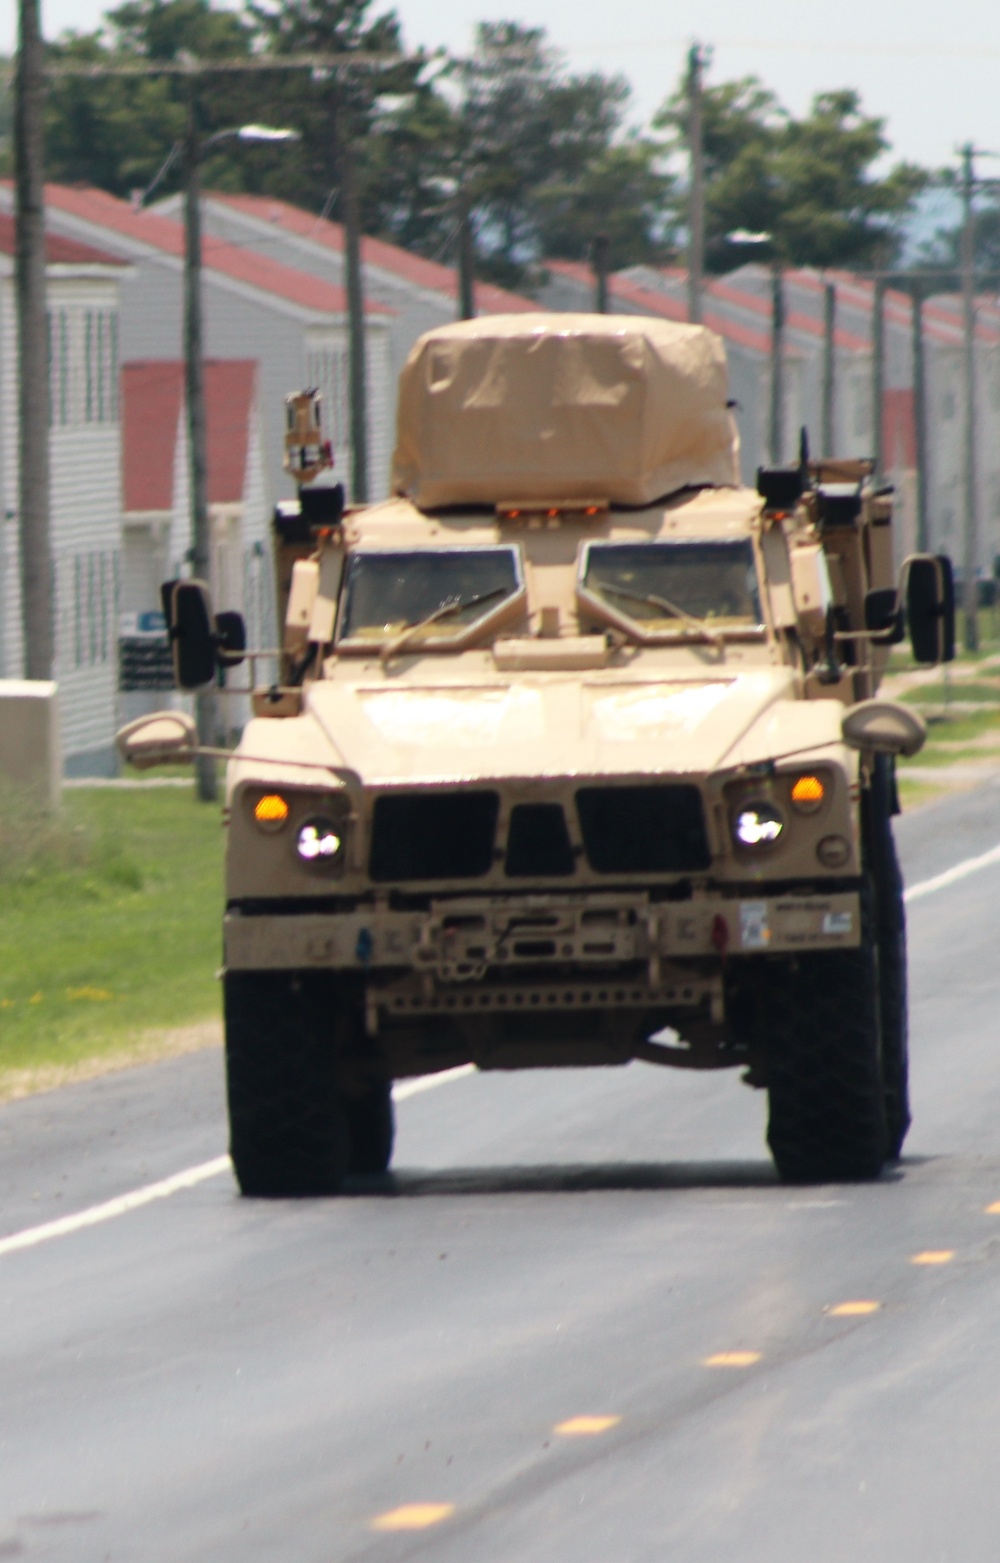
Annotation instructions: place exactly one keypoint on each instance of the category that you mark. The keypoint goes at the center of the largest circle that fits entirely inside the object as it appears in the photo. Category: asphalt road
(386, 1375)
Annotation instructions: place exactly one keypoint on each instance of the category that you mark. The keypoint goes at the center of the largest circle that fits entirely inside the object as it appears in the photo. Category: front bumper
(462, 939)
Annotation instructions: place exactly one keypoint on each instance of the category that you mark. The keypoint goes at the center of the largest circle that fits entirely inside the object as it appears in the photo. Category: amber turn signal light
(807, 794)
(271, 810)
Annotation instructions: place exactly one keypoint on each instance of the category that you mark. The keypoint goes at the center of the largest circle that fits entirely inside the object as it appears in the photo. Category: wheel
(826, 1120)
(372, 1128)
(882, 864)
(288, 1125)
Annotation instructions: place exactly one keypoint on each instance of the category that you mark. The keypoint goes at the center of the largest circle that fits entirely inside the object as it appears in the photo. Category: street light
(192, 149)
(763, 245)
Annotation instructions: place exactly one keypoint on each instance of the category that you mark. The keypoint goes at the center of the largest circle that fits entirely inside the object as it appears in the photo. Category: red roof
(152, 402)
(58, 251)
(652, 302)
(102, 210)
(401, 263)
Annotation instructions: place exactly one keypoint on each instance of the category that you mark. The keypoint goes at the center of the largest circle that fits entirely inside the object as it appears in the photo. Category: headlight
(757, 825)
(319, 840)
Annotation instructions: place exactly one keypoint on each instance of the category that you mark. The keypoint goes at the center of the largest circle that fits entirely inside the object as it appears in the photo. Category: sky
(932, 71)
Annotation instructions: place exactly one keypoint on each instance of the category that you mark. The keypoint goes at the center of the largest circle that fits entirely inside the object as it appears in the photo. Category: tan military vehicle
(575, 758)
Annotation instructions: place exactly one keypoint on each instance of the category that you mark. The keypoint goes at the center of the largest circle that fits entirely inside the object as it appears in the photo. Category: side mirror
(884, 616)
(230, 638)
(163, 738)
(883, 727)
(930, 607)
(200, 642)
(188, 609)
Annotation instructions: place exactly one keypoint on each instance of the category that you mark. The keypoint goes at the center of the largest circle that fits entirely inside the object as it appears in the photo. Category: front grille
(433, 835)
(538, 842)
(643, 830)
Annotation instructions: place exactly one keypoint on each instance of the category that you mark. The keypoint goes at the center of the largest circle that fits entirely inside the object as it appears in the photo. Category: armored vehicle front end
(575, 759)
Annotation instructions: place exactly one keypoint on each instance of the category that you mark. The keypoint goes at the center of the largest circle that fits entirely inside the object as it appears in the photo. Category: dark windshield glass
(386, 593)
(714, 582)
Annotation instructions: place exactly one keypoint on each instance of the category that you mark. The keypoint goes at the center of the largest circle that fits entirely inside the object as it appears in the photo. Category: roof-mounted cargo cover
(546, 406)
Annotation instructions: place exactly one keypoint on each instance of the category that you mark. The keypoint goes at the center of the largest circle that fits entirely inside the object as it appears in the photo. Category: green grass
(941, 694)
(110, 923)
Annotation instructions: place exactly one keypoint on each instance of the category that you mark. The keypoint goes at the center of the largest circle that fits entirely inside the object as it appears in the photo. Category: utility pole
(971, 550)
(919, 412)
(829, 366)
(355, 303)
(777, 419)
(466, 258)
(696, 183)
(602, 265)
(878, 373)
(37, 595)
(194, 391)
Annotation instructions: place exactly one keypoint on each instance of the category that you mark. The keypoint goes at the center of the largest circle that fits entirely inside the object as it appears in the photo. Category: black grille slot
(643, 830)
(433, 835)
(538, 842)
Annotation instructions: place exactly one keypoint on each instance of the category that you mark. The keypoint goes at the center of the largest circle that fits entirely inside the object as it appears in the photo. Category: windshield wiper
(712, 636)
(447, 608)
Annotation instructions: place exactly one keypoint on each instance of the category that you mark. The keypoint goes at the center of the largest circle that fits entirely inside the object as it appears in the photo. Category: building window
(101, 366)
(59, 366)
(113, 354)
(64, 367)
(88, 365)
(95, 607)
(78, 612)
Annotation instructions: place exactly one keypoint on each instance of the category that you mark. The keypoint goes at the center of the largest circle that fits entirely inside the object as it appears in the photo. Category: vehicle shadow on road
(567, 1178)
(596, 1177)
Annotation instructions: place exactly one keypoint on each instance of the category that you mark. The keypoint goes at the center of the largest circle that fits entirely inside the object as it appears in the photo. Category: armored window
(675, 588)
(442, 594)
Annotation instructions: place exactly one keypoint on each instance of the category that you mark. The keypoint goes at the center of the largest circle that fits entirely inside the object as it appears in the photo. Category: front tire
(289, 1131)
(372, 1128)
(827, 1121)
(890, 935)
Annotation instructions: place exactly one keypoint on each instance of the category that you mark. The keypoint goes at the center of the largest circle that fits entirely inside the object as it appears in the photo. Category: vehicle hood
(446, 733)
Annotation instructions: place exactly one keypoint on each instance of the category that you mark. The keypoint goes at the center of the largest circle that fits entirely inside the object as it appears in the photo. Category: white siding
(85, 516)
(86, 533)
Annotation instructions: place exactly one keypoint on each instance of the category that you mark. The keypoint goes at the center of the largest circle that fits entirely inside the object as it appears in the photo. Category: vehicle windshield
(683, 587)
(435, 592)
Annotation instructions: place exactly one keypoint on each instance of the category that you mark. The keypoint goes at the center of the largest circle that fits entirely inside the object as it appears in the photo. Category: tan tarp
(562, 406)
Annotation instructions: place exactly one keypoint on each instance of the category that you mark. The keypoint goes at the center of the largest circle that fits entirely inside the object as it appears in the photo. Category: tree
(115, 132)
(807, 182)
(6, 116)
(622, 193)
(539, 156)
(940, 257)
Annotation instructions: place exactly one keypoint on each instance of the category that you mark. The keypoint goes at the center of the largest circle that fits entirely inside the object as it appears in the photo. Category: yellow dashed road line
(732, 1359)
(413, 1516)
(585, 1426)
(846, 1310)
(933, 1256)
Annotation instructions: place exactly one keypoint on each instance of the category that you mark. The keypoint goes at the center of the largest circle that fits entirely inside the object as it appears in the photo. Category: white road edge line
(951, 876)
(123, 1203)
(407, 1088)
(115, 1207)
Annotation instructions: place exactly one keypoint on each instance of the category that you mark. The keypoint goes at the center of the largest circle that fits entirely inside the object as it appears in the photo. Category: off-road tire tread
(890, 935)
(827, 1114)
(288, 1128)
(372, 1127)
